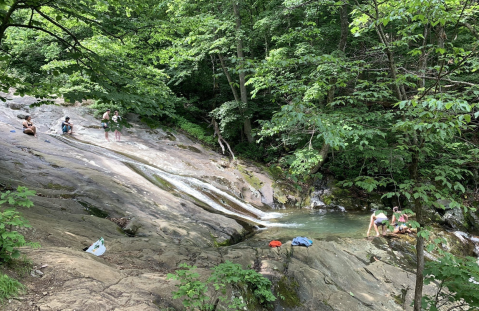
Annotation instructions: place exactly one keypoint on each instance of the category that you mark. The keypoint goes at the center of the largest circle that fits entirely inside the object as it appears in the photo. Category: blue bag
(301, 241)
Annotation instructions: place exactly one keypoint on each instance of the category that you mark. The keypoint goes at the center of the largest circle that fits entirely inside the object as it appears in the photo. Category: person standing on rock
(115, 119)
(104, 122)
(28, 127)
(378, 220)
(67, 126)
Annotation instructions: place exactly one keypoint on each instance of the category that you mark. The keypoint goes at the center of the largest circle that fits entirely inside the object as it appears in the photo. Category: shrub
(195, 130)
(256, 152)
(457, 280)
(9, 287)
(225, 276)
(10, 218)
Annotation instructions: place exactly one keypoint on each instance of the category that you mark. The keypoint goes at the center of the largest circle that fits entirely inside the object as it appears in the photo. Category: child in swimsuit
(400, 227)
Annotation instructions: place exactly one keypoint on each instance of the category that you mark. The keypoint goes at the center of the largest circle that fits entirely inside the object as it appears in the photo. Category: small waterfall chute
(188, 185)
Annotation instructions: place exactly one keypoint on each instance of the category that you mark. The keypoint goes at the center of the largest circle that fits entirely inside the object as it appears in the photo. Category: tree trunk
(343, 15)
(228, 77)
(6, 19)
(324, 155)
(441, 38)
(343, 40)
(423, 59)
(413, 171)
(331, 90)
(400, 91)
(242, 78)
(221, 140)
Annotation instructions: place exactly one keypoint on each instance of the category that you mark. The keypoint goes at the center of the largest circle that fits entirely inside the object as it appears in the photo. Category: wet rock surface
(80, 188)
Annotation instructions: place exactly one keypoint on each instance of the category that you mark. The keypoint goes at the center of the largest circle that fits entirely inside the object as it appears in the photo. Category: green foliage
(9, 287)
(230, 283)
(457, 280)
(231, 116)
(255, 152)
(10, 218)
(190, 287)
(195, 130)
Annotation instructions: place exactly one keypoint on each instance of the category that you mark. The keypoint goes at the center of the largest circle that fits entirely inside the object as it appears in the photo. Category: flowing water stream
(190, 186)
(312, 223)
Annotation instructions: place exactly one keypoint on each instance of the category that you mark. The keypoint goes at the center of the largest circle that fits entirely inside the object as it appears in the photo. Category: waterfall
(463, 237)
(188, 185)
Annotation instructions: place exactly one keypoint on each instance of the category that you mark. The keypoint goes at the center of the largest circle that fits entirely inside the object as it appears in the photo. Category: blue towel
(302, 241)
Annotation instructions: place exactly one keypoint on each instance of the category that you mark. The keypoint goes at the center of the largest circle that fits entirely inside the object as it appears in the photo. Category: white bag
(98, 248)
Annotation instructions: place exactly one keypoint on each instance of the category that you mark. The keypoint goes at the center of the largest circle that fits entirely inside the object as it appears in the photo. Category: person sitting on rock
(378, 220)
(67, 126)
(28, 127)
(400, 227)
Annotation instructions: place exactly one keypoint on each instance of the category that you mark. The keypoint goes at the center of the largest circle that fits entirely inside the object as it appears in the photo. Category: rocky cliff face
(154, 185)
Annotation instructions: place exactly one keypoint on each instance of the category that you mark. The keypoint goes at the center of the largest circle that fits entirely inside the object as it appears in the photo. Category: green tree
(10, 219)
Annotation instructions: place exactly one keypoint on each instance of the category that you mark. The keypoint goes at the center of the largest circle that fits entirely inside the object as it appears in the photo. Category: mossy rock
(58, 187)
(306, 202)
(287, 289)
(165, 185)
(250, 178)
(190, 148)
(275, 172)
(219, 180)
(327, 199)
(285, 193)
(93, 210)
(279, 195)
(336, 191)
(454, 245)
(170, 136)
(216, 243)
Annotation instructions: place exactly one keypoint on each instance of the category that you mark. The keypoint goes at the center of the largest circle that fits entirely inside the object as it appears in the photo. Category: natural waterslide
(303, 222)
(187, 185)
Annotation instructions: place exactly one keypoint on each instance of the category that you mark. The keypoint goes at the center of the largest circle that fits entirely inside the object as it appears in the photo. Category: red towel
(274, 244)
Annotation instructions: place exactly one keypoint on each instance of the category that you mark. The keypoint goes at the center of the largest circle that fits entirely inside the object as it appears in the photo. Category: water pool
(320, 224)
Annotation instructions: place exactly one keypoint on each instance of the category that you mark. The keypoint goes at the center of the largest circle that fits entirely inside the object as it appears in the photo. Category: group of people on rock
(67, 126)
(380, 219)
(105, 124)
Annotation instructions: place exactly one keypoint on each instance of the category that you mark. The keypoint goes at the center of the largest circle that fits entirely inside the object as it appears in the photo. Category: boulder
(454, 218)
(326, 195)
(132, 227)
(16, 106)
(444, 203)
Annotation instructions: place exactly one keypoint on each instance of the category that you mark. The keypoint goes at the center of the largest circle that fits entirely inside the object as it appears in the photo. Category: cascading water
(188, 185)
(463, 237)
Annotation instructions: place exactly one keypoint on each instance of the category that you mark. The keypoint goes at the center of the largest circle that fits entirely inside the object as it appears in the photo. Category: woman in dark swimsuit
(28, 127)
